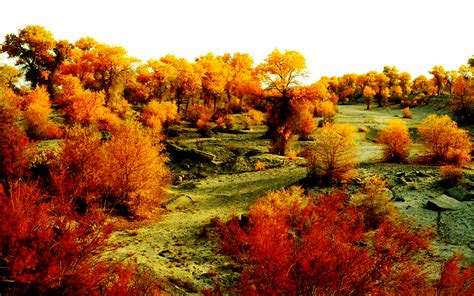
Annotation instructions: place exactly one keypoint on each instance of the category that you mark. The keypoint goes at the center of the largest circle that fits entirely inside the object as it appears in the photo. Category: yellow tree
(438, 79)
(187, 82)
(368, 94)
(36, 114)
(9, 76)
(279, 74)
(347, 87)
(37, 53)
(380, 86)
(333, 157)
(100, 67)
(242, 81)
(444, 140)
(134, 175)
(397, 141)
(157, 77)
(462, 99)
(214, 78)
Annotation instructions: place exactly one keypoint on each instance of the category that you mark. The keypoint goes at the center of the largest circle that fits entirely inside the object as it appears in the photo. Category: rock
(193, 153)
(421, 174)
(457, 193)
(179, 202)
(398, 198)
(443, 203)
(253, 152)
(403, 181)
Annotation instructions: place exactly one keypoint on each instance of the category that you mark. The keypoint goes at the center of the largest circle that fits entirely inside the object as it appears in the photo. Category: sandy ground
(178, 248)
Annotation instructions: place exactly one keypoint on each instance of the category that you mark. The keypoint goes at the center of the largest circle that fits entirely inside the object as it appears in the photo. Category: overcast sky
(336, 37)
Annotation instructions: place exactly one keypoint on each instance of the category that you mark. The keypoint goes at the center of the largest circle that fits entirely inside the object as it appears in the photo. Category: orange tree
(279, 74)
(397, 141)
(444, 140)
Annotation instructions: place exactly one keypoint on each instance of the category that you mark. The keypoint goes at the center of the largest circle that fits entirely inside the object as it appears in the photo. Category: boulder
(398, 198)
(443, 203)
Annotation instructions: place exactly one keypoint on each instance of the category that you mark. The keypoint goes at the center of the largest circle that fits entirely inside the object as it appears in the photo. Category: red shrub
(297, 244)
(455, 281)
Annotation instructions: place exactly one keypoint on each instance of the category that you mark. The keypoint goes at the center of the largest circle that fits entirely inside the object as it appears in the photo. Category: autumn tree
(279, 74)
(242, 82)
(37, 53)
(334, 154)
(346, 87)
(36, 114)
(368, 94)
(444, 140)
(188, 80)
(374, 202)
(462, 99)
(396, 139)
(215, 73)
(134, 175)
(81, 105)
(157, 79)
(439, 81)
(9, 76)
(159, 115)
(98, 66)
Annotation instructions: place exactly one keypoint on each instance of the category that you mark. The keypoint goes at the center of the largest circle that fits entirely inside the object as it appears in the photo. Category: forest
(219, 176)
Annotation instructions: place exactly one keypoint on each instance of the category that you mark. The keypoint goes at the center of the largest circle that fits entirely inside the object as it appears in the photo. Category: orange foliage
(397, 141)
(127, 173)
(134, 174)
(256, 116)
(296, 245)
(44, 250)
(462, 101)
(82, 106)
(16, 150)
(326, 110)
(199, 112)
(451, 175)
(229, 121)
(374, 203)
(333, 157)
(445, 141)
(158, 115)
(37, 112)
(260, 166)
(76, 171)
(369, 94)
(306, 124)
(407, 113)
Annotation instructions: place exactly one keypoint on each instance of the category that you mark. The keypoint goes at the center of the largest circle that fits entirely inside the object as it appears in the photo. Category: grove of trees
(109, 114)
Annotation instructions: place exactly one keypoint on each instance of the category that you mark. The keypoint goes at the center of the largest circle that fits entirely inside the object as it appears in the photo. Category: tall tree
(279, 74)
(100, 67)
(188, 80)
(214, 77)
(37, 53)
(438, 79)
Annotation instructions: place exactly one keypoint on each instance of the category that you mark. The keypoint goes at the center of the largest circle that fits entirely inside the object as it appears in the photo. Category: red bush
(296, 244)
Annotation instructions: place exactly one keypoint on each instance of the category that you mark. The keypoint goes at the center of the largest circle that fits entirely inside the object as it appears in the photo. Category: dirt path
(176, 247)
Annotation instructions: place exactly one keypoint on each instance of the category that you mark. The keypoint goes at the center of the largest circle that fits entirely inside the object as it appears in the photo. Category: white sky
(336, 37)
